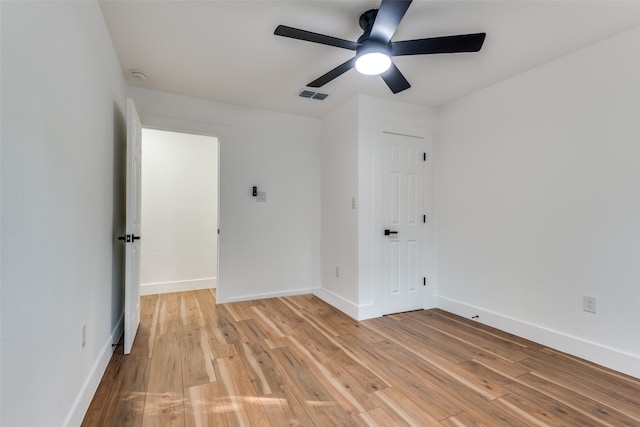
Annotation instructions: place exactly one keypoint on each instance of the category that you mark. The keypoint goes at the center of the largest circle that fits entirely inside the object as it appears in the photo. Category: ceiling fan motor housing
(373, 46)
(367, 44)
(366, 23)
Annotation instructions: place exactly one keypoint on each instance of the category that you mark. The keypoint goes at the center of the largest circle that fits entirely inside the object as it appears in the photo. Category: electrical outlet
(84, 335)
(589, 303)
(262, 196)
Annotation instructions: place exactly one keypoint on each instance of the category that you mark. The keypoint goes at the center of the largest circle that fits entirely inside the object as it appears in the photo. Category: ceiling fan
(374, 48)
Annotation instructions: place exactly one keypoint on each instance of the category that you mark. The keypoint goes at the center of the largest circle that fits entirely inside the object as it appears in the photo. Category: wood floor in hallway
(296, 361)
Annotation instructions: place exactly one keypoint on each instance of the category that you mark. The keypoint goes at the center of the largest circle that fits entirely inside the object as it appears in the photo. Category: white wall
(339, 218)
(351, 165)
(538, 203)
(265, 249)
(63, 98)
(179, 212)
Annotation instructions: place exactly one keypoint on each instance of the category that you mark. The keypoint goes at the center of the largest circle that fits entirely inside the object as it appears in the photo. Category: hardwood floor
(297, 361)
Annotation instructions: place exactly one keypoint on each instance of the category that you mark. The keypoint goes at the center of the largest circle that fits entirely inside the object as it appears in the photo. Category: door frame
(418, 231)
(164, 287)
(170, 124)
(376, 225)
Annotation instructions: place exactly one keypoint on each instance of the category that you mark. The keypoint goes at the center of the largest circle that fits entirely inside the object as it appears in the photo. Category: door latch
(388, 232)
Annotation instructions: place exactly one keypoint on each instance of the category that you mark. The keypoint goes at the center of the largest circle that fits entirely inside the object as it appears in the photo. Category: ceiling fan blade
(395, 80)
(389, 15)
(295, 33)
(336, 72)
(447, 44)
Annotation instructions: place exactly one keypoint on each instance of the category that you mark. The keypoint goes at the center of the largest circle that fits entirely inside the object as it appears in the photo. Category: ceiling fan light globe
(373, 63)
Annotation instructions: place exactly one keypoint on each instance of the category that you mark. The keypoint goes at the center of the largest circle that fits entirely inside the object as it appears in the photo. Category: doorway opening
(180, 211)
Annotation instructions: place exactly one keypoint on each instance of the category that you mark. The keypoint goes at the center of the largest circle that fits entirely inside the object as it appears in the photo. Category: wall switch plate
(589, 303)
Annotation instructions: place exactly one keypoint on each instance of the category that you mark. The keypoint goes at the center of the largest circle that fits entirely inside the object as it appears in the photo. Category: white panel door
(404, 221)
(133, 224)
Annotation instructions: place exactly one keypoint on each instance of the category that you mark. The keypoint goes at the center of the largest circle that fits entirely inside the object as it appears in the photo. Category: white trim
(357, 312)
(369, 311)
(303, 291)
(178, 286)
(87, 391)
(596, 353)
(344, 305)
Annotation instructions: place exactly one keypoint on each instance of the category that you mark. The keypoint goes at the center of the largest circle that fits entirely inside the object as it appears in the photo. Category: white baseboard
(83, 400)
(344, 305)
(357, 312)
(593, 352)
(178, 286)
(222, 299)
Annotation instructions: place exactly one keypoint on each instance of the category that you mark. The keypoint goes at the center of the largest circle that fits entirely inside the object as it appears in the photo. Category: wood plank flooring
(297, 361)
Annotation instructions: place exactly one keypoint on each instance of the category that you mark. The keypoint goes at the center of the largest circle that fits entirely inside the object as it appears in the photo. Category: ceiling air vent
(304, 93)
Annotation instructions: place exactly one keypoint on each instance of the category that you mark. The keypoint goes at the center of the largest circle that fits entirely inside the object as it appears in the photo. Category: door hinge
(129, 238)
(424, 219)
(424, 281)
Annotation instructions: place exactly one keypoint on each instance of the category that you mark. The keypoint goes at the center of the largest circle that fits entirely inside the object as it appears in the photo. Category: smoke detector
(138, 75)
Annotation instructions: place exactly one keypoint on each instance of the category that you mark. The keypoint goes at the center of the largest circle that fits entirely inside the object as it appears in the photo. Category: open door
(133, 223)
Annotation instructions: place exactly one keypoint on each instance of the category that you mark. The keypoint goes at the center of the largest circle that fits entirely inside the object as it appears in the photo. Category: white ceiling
(225, 51)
